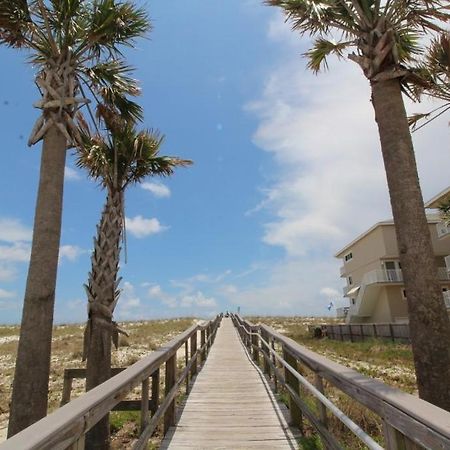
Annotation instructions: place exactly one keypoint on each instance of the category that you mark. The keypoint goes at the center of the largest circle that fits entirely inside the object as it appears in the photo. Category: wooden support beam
(255, 345)
(193, 350)
(171, 368)
(294, 410)
(144, 403)
(186, 362)
(155, 391)
(266, 352)
(202, 343)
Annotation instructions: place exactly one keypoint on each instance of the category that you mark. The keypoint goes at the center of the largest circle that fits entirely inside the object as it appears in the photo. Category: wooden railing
(67, 426)
(408, 422)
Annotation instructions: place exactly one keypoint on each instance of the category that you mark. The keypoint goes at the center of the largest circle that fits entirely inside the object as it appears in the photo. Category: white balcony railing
(442, 229)
(342, 271)
(383, 276)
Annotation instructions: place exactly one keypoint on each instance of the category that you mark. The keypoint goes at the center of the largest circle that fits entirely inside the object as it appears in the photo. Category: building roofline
(434, 202)
(431, 219)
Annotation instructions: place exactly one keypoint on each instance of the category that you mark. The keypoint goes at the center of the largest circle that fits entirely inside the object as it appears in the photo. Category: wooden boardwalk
(230, 405)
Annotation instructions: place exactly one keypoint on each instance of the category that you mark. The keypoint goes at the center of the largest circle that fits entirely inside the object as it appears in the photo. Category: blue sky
(287, 169)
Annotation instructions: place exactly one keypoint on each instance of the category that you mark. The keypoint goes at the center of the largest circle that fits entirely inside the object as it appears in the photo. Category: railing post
(67, 388)
(266, 352)
(202, 343)
(171, 367)
(320, 406)
(274, 360)
(186, 361)
(155, 391)
(395, 440)
(391, 331)
(144, 403)
(208, 335)
(193, 350)
(255, 345)
(79, 444)
(293, 383)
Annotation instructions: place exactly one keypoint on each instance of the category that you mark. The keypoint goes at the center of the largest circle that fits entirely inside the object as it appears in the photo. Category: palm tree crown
(124, 156)
(384, 35)
(74, 44)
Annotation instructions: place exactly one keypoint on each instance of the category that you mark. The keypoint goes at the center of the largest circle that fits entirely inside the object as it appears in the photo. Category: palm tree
(73, 45)
(121, 158)
(385, 39)
(435, 70)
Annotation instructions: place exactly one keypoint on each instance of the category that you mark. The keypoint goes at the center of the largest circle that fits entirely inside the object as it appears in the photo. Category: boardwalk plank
(230, 405)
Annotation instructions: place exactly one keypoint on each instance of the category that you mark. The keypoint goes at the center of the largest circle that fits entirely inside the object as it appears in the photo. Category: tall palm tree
(384, 36)
(119, 159)
(73, 45)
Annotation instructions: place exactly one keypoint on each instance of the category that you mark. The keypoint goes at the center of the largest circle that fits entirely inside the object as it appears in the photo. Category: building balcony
(387, 276)
(342, 271)
(442, 229)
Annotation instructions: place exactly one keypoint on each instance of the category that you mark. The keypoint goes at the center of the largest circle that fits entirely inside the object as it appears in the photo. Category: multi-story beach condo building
(373, 273)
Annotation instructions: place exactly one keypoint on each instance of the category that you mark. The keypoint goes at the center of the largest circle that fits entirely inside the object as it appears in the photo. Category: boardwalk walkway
(230, 405)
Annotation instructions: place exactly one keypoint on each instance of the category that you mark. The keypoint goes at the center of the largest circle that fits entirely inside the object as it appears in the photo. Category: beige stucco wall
(441, 246)
(366, 255)
(397, 304)
(381, 312)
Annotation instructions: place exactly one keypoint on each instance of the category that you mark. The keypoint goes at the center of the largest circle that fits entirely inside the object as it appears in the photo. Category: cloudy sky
(287, 171)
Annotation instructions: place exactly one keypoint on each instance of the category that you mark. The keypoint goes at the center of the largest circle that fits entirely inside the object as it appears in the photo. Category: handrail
(68, 424)
(406, 418)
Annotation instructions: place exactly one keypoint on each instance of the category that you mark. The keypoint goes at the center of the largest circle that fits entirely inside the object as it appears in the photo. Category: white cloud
(7, 272)
(157, 189)
(140, 227)
(129, 303)
(183, 299)
(330, 184)
(71, 174)
(330, 292)
(288, 287)
(12, 230)
(328, 157)
(198, 300)
(17, 252)
(6, 294)
(156, 292)
(70, 252)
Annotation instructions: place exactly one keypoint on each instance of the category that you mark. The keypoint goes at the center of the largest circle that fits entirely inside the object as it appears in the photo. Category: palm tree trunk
(428, 319)
(102, 294)
(30, 386)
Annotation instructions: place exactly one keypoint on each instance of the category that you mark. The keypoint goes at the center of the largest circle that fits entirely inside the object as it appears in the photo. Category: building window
(350, 281)
(348, 257)
(404, 294)
(353, 301)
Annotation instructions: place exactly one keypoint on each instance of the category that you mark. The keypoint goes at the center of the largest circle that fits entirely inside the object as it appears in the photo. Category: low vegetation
(144, 337)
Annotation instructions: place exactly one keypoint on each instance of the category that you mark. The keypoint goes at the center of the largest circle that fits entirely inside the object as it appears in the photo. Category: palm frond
(15, 22)
(321, 49)
(124, 155)
(114, 24)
